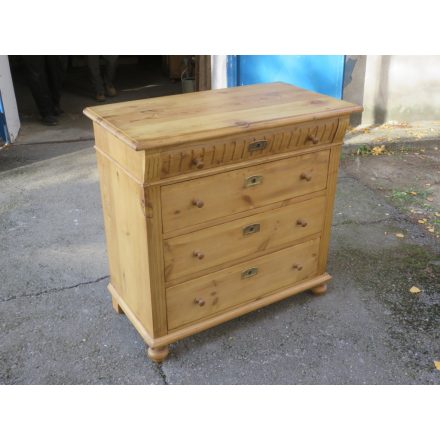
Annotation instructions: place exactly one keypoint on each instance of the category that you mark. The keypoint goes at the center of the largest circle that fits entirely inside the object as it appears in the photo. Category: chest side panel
(126, 238)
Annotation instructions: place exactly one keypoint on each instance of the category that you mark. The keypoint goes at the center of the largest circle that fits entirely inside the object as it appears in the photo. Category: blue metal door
(319, 73)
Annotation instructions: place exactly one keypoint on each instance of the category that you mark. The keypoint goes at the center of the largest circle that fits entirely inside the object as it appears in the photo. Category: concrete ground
(58, 326)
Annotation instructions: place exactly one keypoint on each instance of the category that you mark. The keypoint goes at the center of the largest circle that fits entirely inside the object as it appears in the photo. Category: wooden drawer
(199, 200)
(213, 293)
(226, 151)
(210, 247)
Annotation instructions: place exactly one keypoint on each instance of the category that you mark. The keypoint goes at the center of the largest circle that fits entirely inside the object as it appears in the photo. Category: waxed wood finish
(216, 203)
(256, 234)
(226, 193)
(126, 237)
(160, 122)
(210, 294)
(225, 151)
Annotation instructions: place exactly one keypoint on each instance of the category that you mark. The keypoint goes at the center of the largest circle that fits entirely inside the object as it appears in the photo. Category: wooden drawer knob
(198, 163)
(198, 254)
(199, 203)
(312, 138)
(199, 301)
(306, 176)
(297, 267)
(301, 222)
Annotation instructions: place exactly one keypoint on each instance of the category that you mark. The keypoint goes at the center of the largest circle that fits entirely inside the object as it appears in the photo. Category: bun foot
(158, 354)
(116, 306)
(319, 290)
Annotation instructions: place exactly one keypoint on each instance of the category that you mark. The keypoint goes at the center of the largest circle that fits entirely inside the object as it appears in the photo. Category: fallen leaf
(414, 289)
(431, 229)
(399, 235)
(376, 151)
(437, 364)
(413, 193)
(422, 221)
(430, 199)
(437, 214)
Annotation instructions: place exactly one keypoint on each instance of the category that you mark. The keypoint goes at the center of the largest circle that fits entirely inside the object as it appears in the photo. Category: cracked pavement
(57, 325)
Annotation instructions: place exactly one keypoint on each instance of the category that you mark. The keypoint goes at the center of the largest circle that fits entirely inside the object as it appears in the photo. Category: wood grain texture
(239, 165)
(155, 267)
(202, 226)
(225, 243)
(225, 194)
(341, 130)
(319, 290)
(332, 177)
(241, 215)
(158, 354)
(211, 294)
(176, 335)
(126, 238)
(224, 151)
(132, 162)
(152, 124)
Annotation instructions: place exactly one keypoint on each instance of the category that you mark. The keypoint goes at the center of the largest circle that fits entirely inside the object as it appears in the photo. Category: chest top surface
(149, 124)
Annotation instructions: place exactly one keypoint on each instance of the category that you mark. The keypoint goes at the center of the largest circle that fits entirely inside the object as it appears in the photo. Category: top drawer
(227, 151)
(199, 200)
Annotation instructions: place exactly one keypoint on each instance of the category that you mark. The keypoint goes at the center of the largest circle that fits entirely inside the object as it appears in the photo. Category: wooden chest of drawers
(216, 203)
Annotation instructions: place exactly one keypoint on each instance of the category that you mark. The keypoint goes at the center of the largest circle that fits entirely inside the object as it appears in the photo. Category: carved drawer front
(250, 147)
(199, 200)
(213, 293)
(204, 249)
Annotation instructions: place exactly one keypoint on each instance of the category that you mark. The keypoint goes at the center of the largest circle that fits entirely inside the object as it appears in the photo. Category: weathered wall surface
(353, 86)
(401, 88)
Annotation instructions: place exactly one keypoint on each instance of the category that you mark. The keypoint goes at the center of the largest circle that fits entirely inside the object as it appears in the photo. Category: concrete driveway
(57, 325)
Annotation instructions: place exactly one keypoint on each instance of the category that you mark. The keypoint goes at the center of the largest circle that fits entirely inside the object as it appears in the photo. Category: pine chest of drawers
(216, 203)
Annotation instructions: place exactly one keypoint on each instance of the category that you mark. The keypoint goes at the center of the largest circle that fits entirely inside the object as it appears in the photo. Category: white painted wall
(8, 97)
(401, 88)
(219, 71)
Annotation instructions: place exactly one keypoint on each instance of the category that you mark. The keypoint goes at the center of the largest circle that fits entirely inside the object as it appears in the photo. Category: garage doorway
(137, 77)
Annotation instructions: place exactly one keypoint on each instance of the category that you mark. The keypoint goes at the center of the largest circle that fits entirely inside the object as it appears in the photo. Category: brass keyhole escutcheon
(251, 229)
(257, 145)
(248, 273)
(198, 163)
(253, 181)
